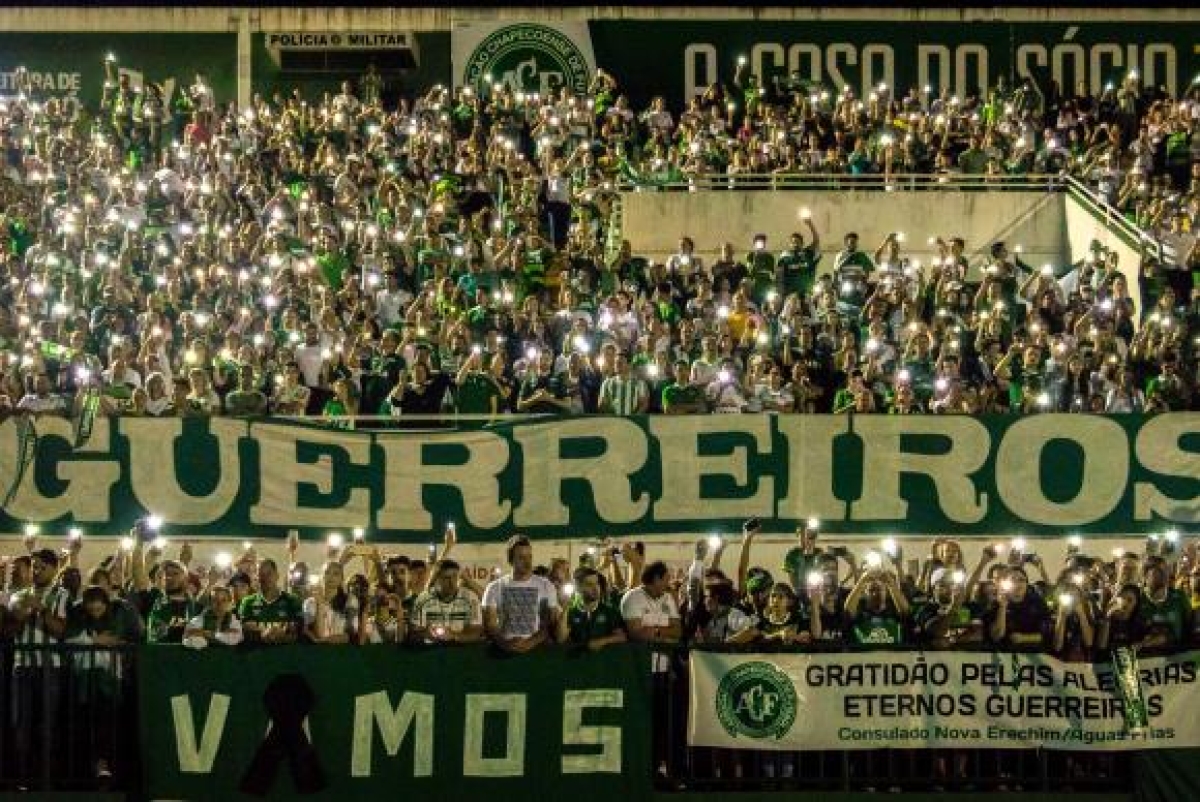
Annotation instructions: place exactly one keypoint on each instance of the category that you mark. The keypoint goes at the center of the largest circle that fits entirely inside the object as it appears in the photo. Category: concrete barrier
(654, 221)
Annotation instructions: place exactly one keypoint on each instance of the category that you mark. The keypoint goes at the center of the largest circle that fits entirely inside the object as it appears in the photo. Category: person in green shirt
(876, 610)
(974, 159)
(799, 262)
(170, 608)
(591, 620)
(1164, 610)
(272, 615)
(950, 618)
(535, 260)
(341, 407)
(542, 391)
(802, 559)
(683, 397)
(1166, 391)
(762, 268)
(477, 393)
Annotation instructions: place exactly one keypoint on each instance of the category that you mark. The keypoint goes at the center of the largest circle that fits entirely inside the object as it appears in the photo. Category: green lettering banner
(378, 722)
(72, 64)
(681, 58)
(571, 477)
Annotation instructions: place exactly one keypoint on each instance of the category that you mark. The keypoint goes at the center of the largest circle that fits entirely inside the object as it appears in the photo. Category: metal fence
(888, 182)
(70, 723)
(68, 718)
(909, 771)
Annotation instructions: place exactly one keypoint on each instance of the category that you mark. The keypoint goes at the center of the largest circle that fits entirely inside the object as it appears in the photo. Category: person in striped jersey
(623, 393)
(447, 612)
(37, 617)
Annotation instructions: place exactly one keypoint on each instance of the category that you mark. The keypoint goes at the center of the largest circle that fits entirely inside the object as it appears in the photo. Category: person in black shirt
(782, 622)
(1019, 619)
(542, 391)
(827, 600)
(1123, 623)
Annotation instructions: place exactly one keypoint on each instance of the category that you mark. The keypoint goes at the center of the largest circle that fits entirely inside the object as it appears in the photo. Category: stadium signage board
(71, 64)
(367, 722)
(524, 57)
(337, 41)
(596, 475)
(680, 58)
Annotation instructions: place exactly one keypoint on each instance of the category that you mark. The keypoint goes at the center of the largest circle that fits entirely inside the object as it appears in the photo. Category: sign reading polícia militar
(531, 58)
(596, 474)
(366, 40)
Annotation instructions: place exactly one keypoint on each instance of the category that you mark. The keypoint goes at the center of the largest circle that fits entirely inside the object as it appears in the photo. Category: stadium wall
(672, 51)
(654, 221)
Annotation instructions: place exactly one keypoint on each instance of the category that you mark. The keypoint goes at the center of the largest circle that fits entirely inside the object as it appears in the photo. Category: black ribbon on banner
(288, 700)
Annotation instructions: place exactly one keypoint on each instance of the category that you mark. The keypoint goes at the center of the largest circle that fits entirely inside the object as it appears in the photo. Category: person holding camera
(1020, 618)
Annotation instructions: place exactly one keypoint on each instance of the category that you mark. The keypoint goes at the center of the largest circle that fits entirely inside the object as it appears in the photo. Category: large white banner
(525, 57)
(924, 699)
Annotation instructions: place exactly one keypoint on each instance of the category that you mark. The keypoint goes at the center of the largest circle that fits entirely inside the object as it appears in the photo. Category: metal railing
(68, 718)
(70, 723)
(914, 771)
(891, 182)
(1112, 218)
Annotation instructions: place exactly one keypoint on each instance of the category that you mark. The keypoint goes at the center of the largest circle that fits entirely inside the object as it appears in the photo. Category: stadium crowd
(821, 596)
(177, 255)
(168, 256)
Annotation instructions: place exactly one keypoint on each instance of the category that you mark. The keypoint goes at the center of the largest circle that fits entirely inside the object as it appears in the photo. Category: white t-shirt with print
(519, 603)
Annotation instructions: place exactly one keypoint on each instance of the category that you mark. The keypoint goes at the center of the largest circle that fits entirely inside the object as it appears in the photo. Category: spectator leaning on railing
(338, 257)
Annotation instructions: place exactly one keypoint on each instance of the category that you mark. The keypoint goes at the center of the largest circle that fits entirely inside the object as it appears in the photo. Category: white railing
(893, 182)
(1111, 217)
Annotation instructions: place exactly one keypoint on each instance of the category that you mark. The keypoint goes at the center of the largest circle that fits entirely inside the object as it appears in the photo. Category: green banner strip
(375, 723)
(571, 477)
(678, 59)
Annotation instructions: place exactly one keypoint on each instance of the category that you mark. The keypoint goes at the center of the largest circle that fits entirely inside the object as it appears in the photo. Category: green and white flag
(1129, 689)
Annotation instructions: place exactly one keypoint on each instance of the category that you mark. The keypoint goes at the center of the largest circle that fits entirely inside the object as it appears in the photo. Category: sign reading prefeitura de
(556, 477)
(680, 58)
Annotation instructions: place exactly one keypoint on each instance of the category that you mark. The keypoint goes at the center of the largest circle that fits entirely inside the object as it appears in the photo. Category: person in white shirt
(217, 624)
(326, 619)
(291, 397)
(520, 610)
(41, 401)
(649, 610)
(391, 300)
(310, 356)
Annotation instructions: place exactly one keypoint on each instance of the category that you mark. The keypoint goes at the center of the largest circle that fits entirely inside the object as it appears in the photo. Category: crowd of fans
(452, 253)
(820, 598)
(1009, 598)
